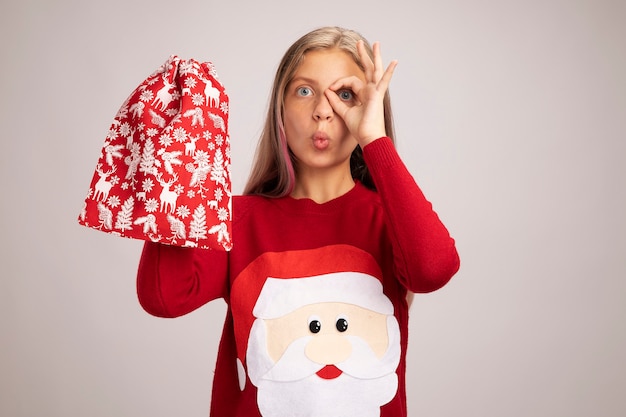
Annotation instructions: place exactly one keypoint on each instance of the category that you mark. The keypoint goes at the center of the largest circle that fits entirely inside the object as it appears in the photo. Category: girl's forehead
(324, 64)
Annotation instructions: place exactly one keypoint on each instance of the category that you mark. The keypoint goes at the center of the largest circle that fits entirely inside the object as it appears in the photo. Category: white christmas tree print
(218, 174)
(197, 225)
(147, 159)
(124, 219)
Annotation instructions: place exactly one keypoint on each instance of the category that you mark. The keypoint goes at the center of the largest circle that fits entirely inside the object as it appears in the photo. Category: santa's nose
(328, 349)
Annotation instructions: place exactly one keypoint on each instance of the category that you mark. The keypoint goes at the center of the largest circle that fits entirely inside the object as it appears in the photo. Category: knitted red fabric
(287, 239)
(164, 171)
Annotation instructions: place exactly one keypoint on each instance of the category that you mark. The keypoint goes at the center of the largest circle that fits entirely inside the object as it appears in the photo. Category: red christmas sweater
(317, 318)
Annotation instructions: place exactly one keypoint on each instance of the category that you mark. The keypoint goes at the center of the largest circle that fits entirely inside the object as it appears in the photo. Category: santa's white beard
(313, 396)
(290, 387)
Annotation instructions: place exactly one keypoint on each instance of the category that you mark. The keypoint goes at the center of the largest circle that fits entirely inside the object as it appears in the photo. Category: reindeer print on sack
(103, 186)
(164, 171)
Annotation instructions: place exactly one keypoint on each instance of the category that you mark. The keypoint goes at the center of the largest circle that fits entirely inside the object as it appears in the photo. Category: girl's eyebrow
(303, 79)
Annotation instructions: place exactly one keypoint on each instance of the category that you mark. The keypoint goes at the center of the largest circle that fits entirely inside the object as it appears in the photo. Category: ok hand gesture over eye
(365, 119)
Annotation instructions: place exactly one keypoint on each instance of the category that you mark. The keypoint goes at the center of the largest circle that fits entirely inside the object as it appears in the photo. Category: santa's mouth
(329, 372)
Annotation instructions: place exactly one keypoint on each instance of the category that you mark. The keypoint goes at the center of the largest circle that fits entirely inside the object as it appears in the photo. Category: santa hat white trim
(282, 296)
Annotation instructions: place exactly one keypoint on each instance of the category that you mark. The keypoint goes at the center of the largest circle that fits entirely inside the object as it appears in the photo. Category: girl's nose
(323, 110)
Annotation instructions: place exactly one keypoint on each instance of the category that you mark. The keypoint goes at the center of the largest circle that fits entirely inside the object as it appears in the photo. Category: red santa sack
(164, 170)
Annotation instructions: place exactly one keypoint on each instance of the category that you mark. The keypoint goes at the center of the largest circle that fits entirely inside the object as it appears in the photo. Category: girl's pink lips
(320, 140)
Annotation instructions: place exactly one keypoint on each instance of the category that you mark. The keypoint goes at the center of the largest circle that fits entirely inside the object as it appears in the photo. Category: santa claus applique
(315, 333)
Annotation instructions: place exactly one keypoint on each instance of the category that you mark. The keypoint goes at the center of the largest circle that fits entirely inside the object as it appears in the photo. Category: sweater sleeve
(425, 256)
(173, 281)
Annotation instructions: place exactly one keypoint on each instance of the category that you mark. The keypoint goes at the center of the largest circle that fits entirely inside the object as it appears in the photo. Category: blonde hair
(273, 173)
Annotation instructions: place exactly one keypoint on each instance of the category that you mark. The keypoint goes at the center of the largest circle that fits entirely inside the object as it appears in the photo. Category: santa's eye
(342, 324)
(315, 325)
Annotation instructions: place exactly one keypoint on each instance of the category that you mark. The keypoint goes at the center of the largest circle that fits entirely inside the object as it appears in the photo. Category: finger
(385, 80)
(366, 61)
(378, 62)
(352, 83)
(339, 107)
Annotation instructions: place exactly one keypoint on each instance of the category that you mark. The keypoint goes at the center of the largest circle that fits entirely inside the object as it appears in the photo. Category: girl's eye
(303, 91)
(345, 95)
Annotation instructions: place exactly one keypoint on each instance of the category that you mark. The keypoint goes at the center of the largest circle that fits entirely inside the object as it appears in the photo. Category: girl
(331, 235)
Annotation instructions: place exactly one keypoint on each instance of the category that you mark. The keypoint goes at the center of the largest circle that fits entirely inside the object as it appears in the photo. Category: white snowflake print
(190, 82)
(125, 129)
(115, 180)
(219, 139)
(125, 185)
(211, 146)
(171, 112)
(141, 126)
(180, 135)
(112, 133)
(113, 201)
(179, 189)
(165, 140)
(152, 132)
(218, 194)
(222, 214)
(207, 135)
(197, 99)
(183, 212)
(147, 185)
(201, 158)
(191, 194)
(134, 148)
(146, 95)
(224, 107)
(186, 67)
(152, 205)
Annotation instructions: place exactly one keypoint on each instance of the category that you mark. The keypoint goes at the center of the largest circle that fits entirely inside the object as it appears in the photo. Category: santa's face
(324, 359)
(328, 326)
(316, 334)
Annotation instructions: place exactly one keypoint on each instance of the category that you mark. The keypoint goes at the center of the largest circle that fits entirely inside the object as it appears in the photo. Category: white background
(510, 114)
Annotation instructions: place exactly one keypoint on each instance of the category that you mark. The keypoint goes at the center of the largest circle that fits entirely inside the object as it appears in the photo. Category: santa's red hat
(164, 170)
(277, 283)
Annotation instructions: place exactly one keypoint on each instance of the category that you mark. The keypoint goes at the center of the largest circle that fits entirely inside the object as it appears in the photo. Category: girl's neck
(322, 186)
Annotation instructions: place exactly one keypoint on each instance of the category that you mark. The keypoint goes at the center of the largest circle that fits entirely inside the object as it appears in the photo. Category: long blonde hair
(273, 173)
